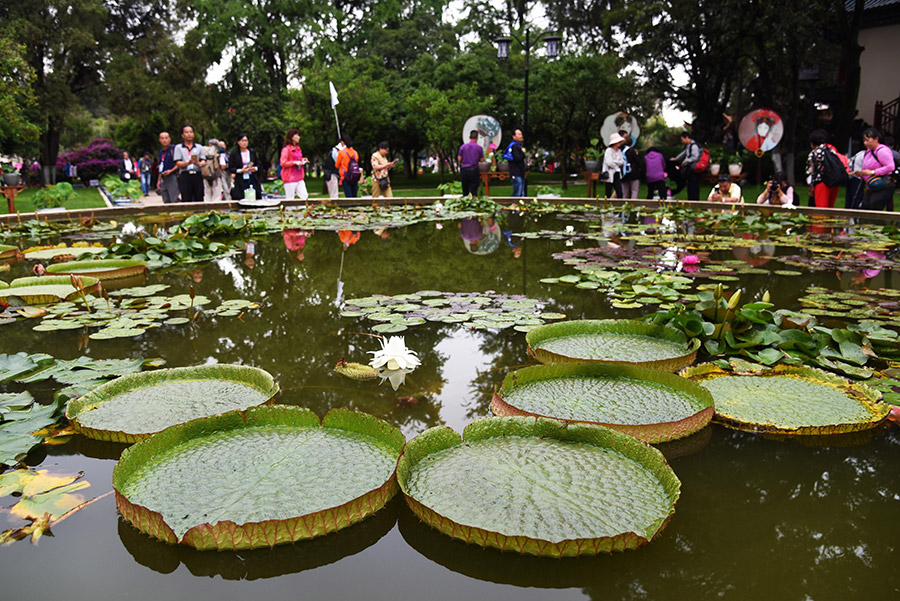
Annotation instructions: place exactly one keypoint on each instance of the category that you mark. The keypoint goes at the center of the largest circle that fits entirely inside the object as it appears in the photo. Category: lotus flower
(394, 355)
(394, 360)
(690, 260)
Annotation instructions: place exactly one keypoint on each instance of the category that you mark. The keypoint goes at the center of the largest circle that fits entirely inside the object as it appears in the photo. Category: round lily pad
(651, 405)
(790, 400)
(135, 406)
(613, 341)
(258, 478)
(539, 486)
(47, 289)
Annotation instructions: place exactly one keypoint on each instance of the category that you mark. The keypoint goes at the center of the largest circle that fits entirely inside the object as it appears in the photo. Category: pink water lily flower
(690, 260)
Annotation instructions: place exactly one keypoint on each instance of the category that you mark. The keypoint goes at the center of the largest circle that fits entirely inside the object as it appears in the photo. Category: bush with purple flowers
(99, 157)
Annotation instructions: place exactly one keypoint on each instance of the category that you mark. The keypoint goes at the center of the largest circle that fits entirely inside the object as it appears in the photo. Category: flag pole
(334, 103)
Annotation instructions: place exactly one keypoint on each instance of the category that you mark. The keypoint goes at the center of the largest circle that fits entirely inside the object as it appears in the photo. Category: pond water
(757, 518)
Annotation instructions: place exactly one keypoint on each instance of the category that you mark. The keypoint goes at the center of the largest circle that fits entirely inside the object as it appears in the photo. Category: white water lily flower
(394, 355)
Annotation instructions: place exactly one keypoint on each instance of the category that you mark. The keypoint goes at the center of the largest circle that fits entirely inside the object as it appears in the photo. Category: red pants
(823, 196)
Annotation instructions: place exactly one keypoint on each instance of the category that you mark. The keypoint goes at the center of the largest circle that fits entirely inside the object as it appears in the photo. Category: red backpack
(702, 162)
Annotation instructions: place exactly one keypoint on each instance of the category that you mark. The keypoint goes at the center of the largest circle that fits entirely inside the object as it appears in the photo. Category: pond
(757, 517)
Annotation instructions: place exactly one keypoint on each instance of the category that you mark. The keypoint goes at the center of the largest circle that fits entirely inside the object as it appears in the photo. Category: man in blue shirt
(167, 184)
(470, 154)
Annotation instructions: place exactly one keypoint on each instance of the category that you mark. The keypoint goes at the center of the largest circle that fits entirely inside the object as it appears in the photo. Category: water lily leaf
(615, 341)
(14, 401)
(540, 487)
(13, 367)
(651, 405)
(197, 484)
(16, 433)
(41, 492)
(790, 400)
(174, 321)
(389, 328)
(46, 290)
(49, 254)
(356, 371)
(107, 269)
(134, 406)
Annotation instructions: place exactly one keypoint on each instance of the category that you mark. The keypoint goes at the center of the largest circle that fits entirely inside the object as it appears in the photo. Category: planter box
(504, 167)
(484, 166)
(734, 169)
(714, 169)
(11, 179)
(592, 166)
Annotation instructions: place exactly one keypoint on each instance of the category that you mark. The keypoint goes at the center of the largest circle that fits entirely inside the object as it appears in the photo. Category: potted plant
(11, 175)
(592, 157)
(735, 163)
(485, 164)
(716, 157)
(502, 164)
(121, 192)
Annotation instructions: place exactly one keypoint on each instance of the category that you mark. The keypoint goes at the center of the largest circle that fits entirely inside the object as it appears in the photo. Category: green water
(757, 519)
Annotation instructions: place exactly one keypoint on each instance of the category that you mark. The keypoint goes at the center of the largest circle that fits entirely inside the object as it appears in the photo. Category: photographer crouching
(778, 192)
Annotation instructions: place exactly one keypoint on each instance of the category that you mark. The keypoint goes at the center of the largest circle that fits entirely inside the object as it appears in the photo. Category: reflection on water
(260, 563)
(757, 518)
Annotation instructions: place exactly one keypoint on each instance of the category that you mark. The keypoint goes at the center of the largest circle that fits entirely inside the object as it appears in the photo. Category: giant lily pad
(790, 400)
(46, 290)
(7, 251)
(135, 406)
(49, 254)
(613, 341)
(107, 269)
(539, 486)
(258, 478)
(651, 405)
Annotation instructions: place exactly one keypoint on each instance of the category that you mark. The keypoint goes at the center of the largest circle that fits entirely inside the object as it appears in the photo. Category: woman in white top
(613, 162)
(778, 192)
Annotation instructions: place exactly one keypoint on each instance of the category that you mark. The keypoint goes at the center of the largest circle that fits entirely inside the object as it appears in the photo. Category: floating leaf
(106, 269)
(134, 406)
(197, 484)
(651, 405)
(538, 486)
(790, 400)
(612, 341)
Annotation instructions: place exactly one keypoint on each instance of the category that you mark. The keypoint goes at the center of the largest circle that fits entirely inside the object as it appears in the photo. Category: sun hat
(615, 138)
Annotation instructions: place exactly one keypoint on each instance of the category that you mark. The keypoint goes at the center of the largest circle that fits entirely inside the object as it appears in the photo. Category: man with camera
(725, 191)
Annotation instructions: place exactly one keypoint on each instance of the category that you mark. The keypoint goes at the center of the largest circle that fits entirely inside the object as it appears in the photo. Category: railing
(886, 117)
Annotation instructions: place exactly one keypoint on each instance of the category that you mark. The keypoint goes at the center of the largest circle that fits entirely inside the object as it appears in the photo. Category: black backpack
(834, 170)
(895, 174)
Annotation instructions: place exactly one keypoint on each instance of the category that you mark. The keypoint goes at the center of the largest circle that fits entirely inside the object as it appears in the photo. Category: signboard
(488, 129)
(761, 130)
(618, 122)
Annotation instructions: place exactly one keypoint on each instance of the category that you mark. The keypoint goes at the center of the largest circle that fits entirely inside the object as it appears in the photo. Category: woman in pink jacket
(292, 167)
(877, 166)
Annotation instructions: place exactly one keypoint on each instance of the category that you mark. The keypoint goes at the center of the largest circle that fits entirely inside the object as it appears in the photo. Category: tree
(61, 45)
(443, 114)
(17, 99)
(573, 95)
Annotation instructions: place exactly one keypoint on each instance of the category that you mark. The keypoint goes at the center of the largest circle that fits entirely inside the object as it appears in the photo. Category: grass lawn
(84, 198)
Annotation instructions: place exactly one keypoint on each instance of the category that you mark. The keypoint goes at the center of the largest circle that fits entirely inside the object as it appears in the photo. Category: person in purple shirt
(878, 162)
(470, 154)
(655, 172)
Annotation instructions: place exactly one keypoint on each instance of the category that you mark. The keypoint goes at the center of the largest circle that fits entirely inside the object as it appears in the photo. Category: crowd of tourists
(192, 172)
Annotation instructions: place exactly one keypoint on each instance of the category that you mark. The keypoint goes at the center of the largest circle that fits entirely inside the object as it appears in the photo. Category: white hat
(615, 138)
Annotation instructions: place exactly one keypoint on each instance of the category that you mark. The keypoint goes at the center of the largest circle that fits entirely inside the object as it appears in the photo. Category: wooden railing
(886, 117)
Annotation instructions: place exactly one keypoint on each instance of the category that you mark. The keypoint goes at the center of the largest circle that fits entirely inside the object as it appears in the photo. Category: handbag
(384, 183)
(876, 182)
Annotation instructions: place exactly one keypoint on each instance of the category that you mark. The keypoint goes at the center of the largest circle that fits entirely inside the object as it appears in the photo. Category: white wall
(880, 64)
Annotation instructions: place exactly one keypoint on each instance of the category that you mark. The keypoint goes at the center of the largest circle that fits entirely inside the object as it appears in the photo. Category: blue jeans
(145, 183)
(518, 183)
(350, 189)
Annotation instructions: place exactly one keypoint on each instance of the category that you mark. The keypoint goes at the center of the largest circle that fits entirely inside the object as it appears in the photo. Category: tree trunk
(49, 152)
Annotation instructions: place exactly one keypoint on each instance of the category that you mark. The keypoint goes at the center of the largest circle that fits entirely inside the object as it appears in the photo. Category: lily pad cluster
(881, 304)
(132, 311)
(474, 310)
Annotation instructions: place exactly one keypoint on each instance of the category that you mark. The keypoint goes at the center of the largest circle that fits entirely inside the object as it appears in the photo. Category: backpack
(507, 154)
(834, 168)
(353, 172)
(703, 162)
(211, 169)
(634, 167)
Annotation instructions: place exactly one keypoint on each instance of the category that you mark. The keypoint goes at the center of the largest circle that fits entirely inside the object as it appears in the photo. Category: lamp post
(552, 41)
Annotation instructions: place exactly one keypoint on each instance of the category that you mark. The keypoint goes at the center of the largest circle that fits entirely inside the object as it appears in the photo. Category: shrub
(100, 156)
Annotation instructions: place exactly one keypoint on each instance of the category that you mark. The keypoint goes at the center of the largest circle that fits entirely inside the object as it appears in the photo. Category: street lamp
(552, 41)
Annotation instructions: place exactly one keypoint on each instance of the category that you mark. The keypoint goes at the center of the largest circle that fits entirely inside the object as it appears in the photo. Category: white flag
(334, 98)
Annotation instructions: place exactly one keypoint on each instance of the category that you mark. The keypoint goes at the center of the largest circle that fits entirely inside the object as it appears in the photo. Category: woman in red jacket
(293, 167)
